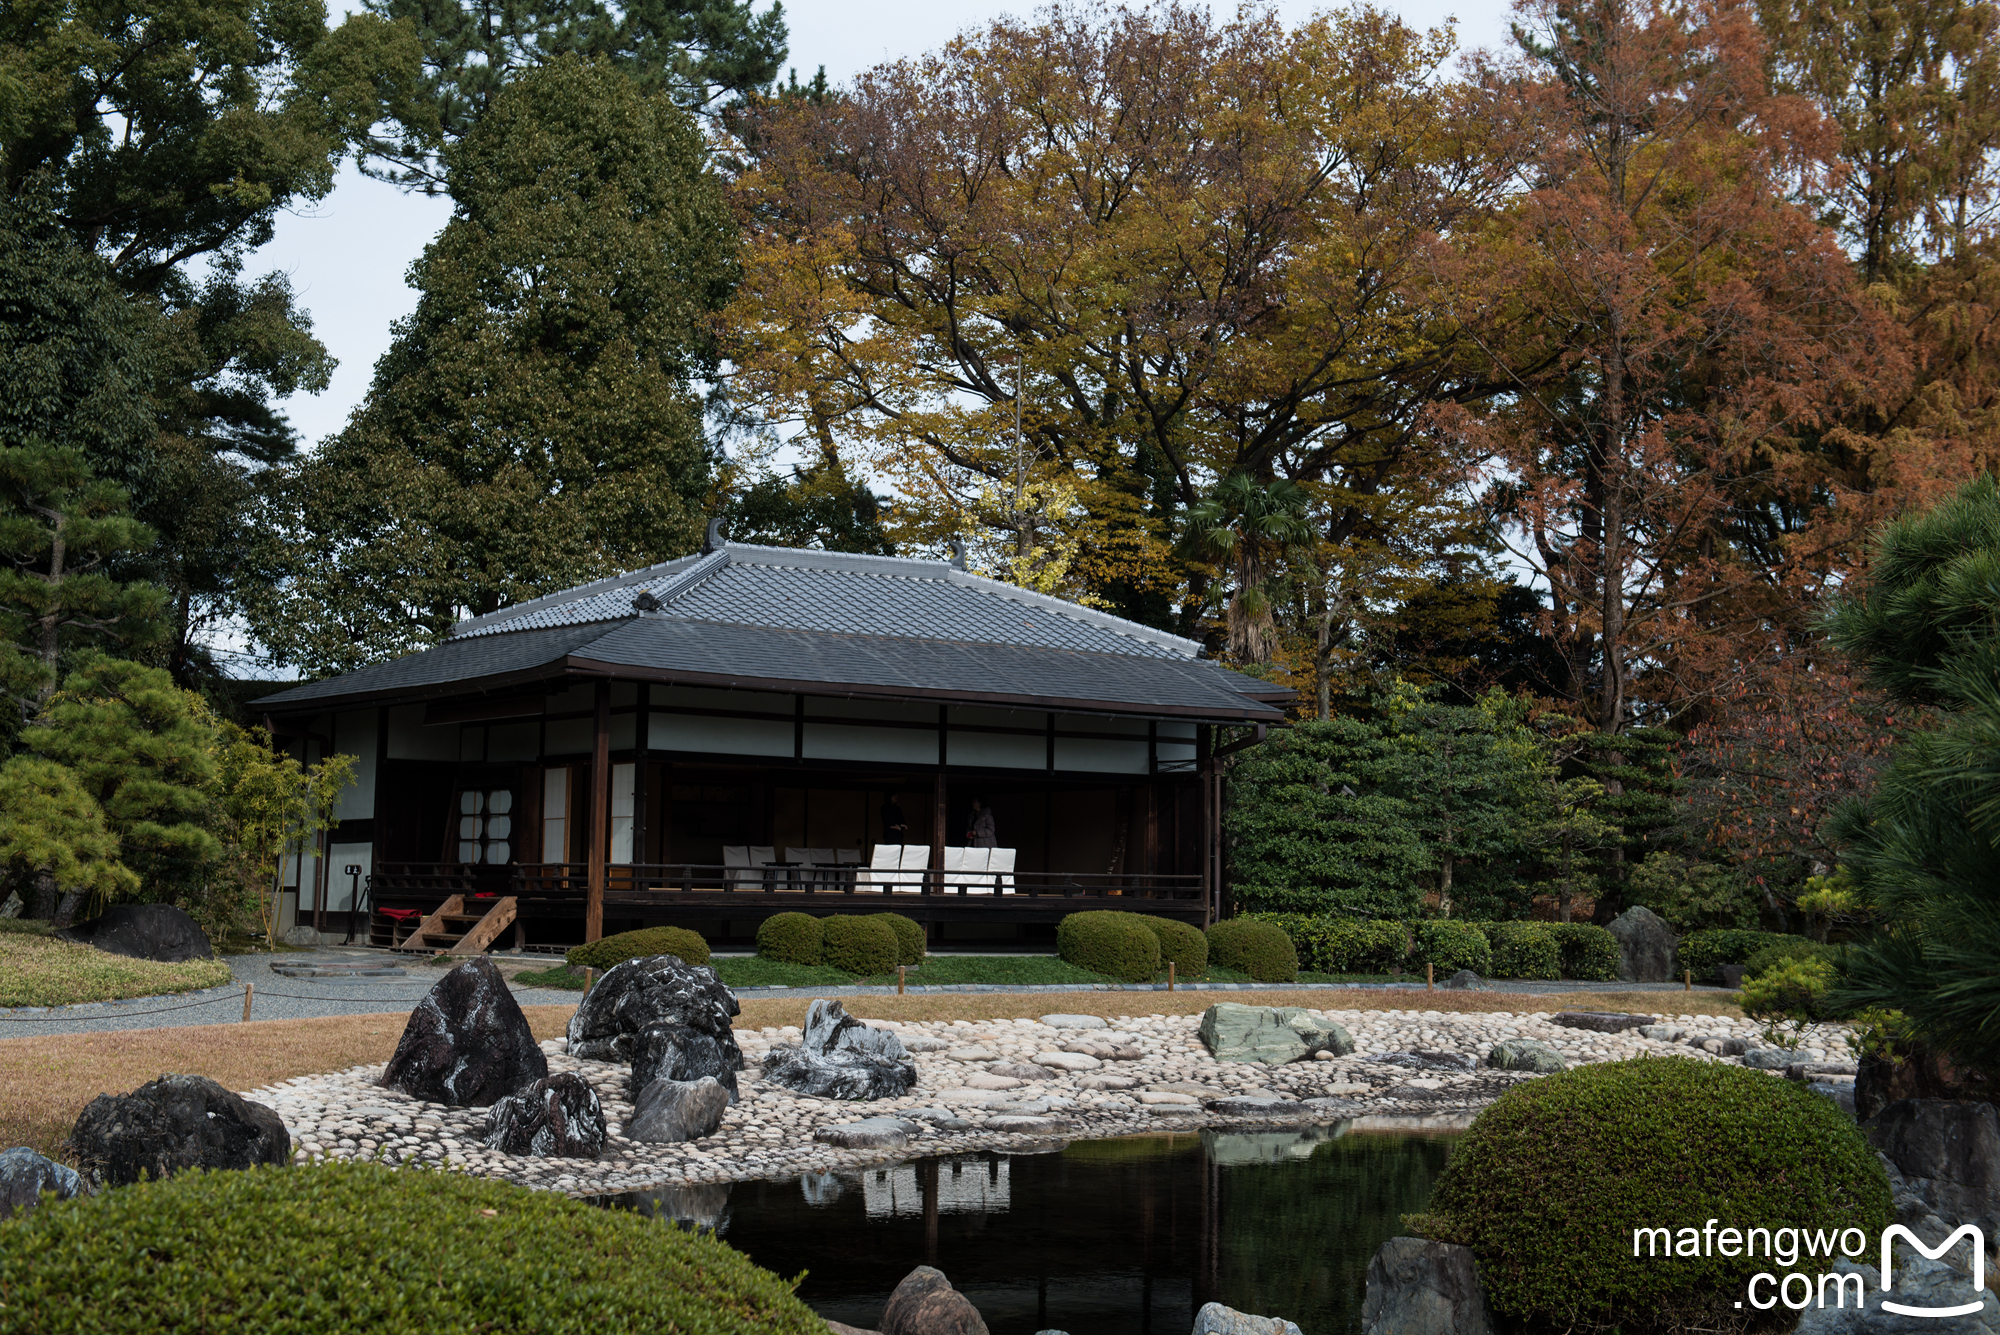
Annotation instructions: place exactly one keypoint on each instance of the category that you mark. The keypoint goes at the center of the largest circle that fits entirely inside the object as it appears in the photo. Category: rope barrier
(71, 1019)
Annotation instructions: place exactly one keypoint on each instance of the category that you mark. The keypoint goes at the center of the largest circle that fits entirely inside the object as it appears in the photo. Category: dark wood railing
(666, 879)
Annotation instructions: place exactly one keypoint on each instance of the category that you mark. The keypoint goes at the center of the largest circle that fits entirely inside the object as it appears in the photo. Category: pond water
(1103, 1237)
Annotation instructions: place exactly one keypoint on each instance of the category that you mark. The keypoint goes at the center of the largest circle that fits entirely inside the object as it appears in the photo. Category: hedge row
(1704, 952)
(865, 944)
(1134, 947)
(1534, 950)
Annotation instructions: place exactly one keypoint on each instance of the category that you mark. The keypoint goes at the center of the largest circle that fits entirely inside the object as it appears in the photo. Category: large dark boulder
(171, 1124)
(842, 1058)
(467, 1043)
(1416, 1287)
(25, 1175)
(559, 1118)
(925, 1303)
(667, 1112)
(1646, 946)
(1947, 1152)
(143, 931)
(655, 1012)
(676, 1053)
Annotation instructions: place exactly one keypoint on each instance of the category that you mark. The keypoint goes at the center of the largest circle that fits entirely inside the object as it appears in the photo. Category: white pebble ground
(1142, 1073)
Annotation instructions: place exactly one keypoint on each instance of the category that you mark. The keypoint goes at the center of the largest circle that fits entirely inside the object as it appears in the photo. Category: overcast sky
(348, 256)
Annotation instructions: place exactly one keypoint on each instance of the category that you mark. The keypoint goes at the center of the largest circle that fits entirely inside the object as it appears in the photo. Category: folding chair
(916, 862)
(999, 866)
(882, 873)
(736, 871)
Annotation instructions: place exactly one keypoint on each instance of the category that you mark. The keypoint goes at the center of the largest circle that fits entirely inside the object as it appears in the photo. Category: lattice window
(486, 826)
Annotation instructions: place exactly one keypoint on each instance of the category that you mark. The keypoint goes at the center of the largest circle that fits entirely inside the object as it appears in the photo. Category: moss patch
(42, 971)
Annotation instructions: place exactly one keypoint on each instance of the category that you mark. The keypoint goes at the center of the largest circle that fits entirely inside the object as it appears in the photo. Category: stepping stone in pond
(1076, 1022)
(1028, 1126)
(1602, 1022)
(1067, 1061)
(1108, 1082)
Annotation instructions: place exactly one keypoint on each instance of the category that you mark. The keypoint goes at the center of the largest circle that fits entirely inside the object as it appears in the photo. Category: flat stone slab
(1067, 1061)
(988, 1080)
(338, 971)
(1602, 1022)
(870, 1133)
(1251, 1106)
(972, 1054)
(1108, 1082)
(1158, 1099)
(1028, 1126)
(1076, 1022)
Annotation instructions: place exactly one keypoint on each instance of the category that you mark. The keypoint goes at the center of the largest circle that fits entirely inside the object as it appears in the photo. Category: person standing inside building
(895, 828)
(979, 829)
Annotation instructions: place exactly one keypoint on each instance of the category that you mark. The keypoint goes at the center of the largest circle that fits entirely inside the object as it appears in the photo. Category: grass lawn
(39, 970)
(935, 971)
(45, 1082)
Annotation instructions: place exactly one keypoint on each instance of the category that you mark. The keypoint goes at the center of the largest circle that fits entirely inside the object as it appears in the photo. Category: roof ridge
(576, 594)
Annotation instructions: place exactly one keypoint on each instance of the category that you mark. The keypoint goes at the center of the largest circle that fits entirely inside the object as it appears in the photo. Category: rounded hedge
(1763, 961)
(1118, 945)
(859, 943)
(792, 938)
(1342, 945)
(601, 954)
(1589, 952)
(1705, 951)
(1524, 950)
(909, 936)
(1551, 1181)
(1257, 948)
(1448, 945)
(361, 1248)
(1181, 944)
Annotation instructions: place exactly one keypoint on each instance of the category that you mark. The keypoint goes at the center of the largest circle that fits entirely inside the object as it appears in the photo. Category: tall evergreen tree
(536, 423)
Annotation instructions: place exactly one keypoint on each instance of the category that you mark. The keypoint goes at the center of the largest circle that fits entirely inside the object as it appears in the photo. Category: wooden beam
(599, 832)
(488, 928)
(938, 815)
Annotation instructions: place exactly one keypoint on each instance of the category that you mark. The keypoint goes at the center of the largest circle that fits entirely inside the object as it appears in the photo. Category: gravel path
(976, 1091)
(280, 998)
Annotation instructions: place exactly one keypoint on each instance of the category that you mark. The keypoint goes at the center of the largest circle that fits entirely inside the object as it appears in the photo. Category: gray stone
(467, 1043)
(1465, 980)
(842, 1058)
(925, 1043)
(1947, 1152)
(143, 931)
(1919, 1282)
(1020, 1071)
(1663, 1033)
(1076, 1022)
(1418, 1287)
(556, 1118)
(300, 934)
(1809, 1071)
(668, 1112)
(1842, 1095)
(1015, 1124)
(1272, 1035)
(870, 1133)
(1526, 1054)
(1729, 975)
(1646, 946)
(1215, 1319)
(925, 1303)
(679, 1053)
(1767, 1059)
(1721, 1047)
(1251, 1105)
(13, 908)
(1600, 1022)
(25, 1175)
(172, 1124)
(1428, 1061)
(841, 1328)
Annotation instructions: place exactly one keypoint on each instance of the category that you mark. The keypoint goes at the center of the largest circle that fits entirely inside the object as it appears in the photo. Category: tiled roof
(853, 595)
(779, 619)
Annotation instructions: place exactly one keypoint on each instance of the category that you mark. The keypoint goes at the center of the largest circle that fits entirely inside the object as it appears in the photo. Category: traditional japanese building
(756, 729)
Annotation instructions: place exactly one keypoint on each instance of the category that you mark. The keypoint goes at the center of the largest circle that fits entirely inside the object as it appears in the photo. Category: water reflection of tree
(1298, 1236)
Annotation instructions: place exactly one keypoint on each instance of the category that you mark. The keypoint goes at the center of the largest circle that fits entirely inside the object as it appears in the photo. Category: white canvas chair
(916, 861)
(954, 863)
(761, 858)
(882, 873)
(736, 867)
(976, 861)
(816, 868)
(844, 860)
(1000, 865)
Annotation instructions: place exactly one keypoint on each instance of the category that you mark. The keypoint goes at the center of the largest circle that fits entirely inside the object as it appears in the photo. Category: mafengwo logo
(1800, 1289)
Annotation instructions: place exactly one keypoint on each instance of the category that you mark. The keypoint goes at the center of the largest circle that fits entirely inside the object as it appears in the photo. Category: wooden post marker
(589, 978)
(900, 969)
(1689, 975)
(1430, 976)
(248, 988)
(1170, 975)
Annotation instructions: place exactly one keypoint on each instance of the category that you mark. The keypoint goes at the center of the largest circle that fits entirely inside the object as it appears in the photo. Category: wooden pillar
(1204, 767)
(1151, 866)
(599, 832)
(937, 822)
(639, 821)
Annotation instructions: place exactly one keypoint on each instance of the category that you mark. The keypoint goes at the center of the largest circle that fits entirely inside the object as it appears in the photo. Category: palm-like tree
(1248, 525)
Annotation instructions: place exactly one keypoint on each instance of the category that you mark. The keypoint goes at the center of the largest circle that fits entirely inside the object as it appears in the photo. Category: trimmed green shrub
(1770, 957)
(1789, 997)
(1450, 944)
(791, 938)
(1704, 951)
(1180, 943)
(1549, 1184)
(679, 942)
(909, 936)
(1257, 948)
(1342, 945)
(1589, 952)
(179, 1253)
(1118, 945)
(859, 943)
(1524, 950)
(26, 927)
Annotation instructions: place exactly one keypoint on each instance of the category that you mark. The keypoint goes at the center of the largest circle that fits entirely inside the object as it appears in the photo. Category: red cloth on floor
(401, 915)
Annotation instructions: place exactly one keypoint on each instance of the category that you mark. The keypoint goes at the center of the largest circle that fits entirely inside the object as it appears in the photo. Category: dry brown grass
(45, 1082)
(42, 971)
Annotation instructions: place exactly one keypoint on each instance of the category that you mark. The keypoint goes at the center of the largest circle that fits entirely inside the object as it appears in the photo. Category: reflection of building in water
(820, 1188)
(970, 1185)
(1231, 1149)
